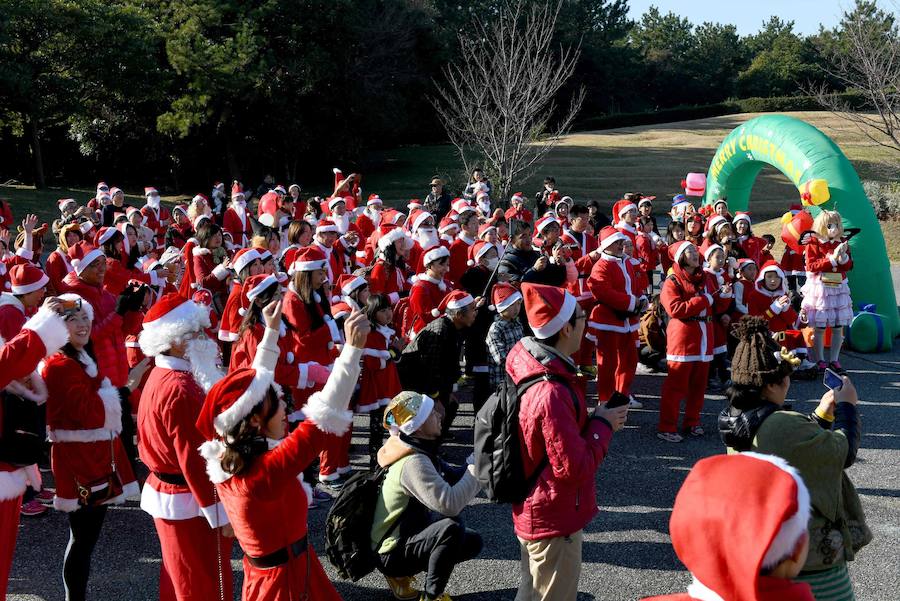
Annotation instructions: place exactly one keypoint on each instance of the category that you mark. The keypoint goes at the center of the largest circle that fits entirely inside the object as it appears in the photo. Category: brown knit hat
(757, 359)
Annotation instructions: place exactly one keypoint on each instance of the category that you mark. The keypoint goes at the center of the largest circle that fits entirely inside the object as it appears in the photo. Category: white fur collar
(199, 250)
(462, 236)
(9, 299)
(439, 283)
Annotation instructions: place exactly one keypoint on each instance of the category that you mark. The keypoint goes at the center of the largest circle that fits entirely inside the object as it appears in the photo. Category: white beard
(342, 223)
(374, 216)
(427, 237)
(203, 354)
(153, 202)
(485, 205)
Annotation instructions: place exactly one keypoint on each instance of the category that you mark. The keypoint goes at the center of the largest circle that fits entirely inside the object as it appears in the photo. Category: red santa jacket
(426, 294)
(365, 226)
(521, 214)
(689, 335)
(118, 275)
(169, 440)
(158, 220)
(231, 317)
(817, 260)
(84, 420)
(12, 315)
(380, 381)
(206, 273)
(612, 286)
(108, 330)
(646, 250)
(236, 222)
(287, 369)
(762, 303)
(628, 230)
(384, 279)
(314, 344)
(58, 267)
(753, 247)
(340, 259)
(459, 257)
(6, 216)
(793, 263)
(720, 332)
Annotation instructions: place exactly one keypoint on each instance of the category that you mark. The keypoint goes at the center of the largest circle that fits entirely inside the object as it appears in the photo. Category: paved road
(626, 552)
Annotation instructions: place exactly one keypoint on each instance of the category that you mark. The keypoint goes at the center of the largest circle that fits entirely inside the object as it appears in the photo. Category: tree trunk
(40, 181)
(234, 167)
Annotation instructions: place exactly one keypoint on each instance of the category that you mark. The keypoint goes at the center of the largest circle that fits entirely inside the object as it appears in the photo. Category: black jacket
(430, 362)
(519, 266)
(438, 206)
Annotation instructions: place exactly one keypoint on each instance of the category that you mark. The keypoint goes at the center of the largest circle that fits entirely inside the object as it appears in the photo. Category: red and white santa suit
(582, 246)
(387, 279)
(109, 328)
(751, 245)
(266, 502)
(690, 341)
(647, 251)
(236, 220)
(719, 278)
(158, 218)
(370, 218)
(339, 256)
(380, 381)
(764, 303)
(459, 257)
(206, 274)
(230, 322)
(742, 291)
(610, 322)
(425, 295)
(178, 492)
(619, 210)
(43, 335)
(520, 212)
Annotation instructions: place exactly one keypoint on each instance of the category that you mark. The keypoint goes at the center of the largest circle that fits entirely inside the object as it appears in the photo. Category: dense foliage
(185, 91)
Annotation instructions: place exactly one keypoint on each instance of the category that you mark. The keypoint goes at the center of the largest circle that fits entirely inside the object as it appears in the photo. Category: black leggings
(376, 436)
(84, 530)
(436, 549)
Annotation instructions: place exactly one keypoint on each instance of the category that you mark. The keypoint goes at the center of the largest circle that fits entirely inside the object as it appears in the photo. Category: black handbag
(22, 430)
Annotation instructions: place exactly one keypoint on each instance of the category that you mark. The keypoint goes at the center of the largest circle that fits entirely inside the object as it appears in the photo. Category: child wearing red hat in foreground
(739, 525)
(255, 467)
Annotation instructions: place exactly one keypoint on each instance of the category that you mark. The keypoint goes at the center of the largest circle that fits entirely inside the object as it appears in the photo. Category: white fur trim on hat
(612, 239)
(711, 249)
(741, 217)
(507, 302)
(81, 264)
(391, 237)
(158, 335)
(251, 397)
(308, 266)
(410, 427)
(85, 306)
(438, 252)
(464, 301)
(334, 200)
(326, 227)
(559, 320)
(269, 280)
(543, 223)
(681, 250)
(419, 219)
(42, 281)
(625, 208)
(352, 285)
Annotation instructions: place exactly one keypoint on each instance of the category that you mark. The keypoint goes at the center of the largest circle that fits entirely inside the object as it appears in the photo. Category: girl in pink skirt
(826, 295)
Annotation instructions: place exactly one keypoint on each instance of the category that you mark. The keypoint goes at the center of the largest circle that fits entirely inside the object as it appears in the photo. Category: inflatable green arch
(803, 153)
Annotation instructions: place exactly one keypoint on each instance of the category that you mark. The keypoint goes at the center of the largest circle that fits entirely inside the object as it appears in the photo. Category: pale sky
(749, 16)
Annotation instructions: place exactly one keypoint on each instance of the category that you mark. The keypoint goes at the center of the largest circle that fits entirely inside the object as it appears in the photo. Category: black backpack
(498, 453)
(348, 527)
(22, 430)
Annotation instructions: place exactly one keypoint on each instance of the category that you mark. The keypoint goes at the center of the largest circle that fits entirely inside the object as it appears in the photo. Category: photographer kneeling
(820, 446)
(416, 526)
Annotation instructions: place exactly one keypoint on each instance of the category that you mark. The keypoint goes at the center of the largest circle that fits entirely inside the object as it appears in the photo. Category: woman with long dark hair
(390, 275)
(90, 466)
(255, 466)
(121, 261)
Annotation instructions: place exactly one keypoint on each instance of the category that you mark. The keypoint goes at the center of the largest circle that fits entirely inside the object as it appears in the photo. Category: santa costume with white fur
(612, 322)
(236, 220)
(156, 215)
(266, 502)
(426, 294)
(43, 335)
(178, 493)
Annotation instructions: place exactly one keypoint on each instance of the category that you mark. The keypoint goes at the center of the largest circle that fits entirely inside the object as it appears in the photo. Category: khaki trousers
(550, 568)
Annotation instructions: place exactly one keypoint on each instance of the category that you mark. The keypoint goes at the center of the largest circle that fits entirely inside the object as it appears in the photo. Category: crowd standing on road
(208, 358)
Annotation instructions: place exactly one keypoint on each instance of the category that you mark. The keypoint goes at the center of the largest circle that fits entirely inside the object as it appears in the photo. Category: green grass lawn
(594, 165)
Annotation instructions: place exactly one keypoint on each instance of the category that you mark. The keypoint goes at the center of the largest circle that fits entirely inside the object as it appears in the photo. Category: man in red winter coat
(194, 533)
(562, 442)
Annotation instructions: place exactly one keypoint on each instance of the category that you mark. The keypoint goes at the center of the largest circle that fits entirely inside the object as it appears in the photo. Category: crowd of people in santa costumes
(220, 348)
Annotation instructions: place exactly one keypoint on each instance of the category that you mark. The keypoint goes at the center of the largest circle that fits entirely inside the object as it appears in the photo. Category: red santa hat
(435, 254)
(548, 308)
(327, 226)
(461, 205)
(104, 196)
(279, 189)
(677, 249)
(741, 216)
(485, 228)
(742, 263)
(256, 285)
(347, 283)
(148, 264)
(734, 517)
(715, 222)
(542, 223)
(710, 250)
(610, 235)
(82, 254)
(113, 191)
(62, 203)
(457, 299)
(391, 215)
(719, 201)
(447, 225)
(374, 200)
(264, 253)
(237, 191)
(26, 278)
(416, 218)
(390, 234)
(309, 258)
(169, 321)
(517, 197)
(102, 187)
(414, 204)
(771, 266)
(151, 191)
(219, 185)
(503, 296)
(131, 211)
(621, 207)
(645, 200)
(334, 200)
(244, 257)
(478, 250)
(183, 208)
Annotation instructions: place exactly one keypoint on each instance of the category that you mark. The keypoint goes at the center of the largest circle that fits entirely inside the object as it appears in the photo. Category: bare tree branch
(498, 104)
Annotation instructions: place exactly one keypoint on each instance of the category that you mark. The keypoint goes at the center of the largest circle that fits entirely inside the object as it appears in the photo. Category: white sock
(837, 339)
(819, 344)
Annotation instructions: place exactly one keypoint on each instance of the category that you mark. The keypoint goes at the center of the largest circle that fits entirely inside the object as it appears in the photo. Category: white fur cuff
(51, 328)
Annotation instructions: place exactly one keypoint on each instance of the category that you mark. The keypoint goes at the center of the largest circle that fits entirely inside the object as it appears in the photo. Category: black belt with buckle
(279, 557)
(176, 479)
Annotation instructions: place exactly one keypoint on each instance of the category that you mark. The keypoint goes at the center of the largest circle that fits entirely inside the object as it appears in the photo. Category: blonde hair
(820, 225)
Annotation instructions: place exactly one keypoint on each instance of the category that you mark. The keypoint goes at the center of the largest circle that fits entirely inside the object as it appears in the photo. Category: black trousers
(376, 435)
(84, 530)
(435, 550)
(481, 389)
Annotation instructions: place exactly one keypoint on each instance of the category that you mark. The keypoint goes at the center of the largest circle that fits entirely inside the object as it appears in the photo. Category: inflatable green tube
(803, 153)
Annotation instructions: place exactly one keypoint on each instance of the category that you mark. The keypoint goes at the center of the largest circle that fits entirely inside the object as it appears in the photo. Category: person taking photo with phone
(820, 446)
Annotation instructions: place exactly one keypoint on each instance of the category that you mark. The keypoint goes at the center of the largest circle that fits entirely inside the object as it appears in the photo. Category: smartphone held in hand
(832, 379)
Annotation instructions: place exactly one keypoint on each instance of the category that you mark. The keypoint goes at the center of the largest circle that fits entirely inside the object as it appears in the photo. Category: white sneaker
(669, 436)
(643, 370)
(805, 364)
(633, 403)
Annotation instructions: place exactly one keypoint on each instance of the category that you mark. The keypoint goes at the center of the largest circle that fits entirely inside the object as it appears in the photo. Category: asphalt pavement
(627, 552)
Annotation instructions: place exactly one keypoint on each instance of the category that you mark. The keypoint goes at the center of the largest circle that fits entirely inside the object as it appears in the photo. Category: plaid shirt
(502, 336)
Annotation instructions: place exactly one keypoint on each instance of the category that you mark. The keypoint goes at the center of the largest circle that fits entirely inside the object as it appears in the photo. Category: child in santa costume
(43, 335)
(751, 245)
(58, 265)
(459, 249)
(246, 263)
(90, 466)
(380, 381)
(505, 331)
(236, 220)
(739, 526)
(625, 216)
(352, 294)
(717, 266)
(181, 230)
(826, 294)
(428, 290)
(255, 466)
(613, 320)
(193, 530)
(648, 247)
(156, 215)
(517, 209)
(690, 340)
(389, 275)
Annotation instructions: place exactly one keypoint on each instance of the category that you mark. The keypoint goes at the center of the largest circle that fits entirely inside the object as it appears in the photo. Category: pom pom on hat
(503, 296)
(478, 250)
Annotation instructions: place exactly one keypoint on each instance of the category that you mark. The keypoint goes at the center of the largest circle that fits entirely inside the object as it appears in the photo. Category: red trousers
(617, 359)
(191, 562)
(289, 581)
(684, 381)
(584, 356)
(335, 455)
(9, 529)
